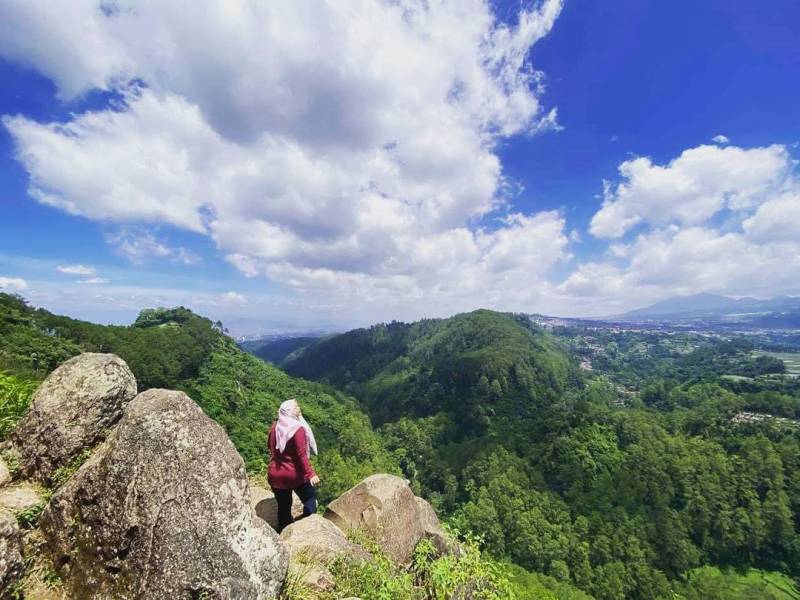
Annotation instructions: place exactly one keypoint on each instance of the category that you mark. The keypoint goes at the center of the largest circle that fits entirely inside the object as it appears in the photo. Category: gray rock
(432, 529)
(20, 497)
(386, 509)
(5, 474)
(162, 511)
(313, 544)
(72, 410)
(318, 539)
(12, 566)
(263, 502)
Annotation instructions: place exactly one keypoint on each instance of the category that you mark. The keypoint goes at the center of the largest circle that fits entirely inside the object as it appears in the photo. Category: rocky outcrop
(72, 410)
(5, 473)
(387, 510)
(162, 511)
(263, 502)
(432, 529)
(20, 497)
(313, 544)
(11, 564)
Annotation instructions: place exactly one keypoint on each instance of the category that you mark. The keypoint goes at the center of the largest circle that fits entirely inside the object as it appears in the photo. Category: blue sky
(299, 165)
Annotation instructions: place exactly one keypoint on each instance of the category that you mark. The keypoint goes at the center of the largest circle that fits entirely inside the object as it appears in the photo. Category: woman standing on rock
(291, 443)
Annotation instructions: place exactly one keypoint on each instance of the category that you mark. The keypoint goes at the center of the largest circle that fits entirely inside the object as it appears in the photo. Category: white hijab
(289, 421)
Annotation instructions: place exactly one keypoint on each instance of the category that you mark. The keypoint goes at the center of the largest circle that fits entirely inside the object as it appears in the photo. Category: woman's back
(291, 468)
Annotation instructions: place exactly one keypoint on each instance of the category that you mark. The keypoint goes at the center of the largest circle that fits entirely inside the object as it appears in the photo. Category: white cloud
(94, 280)
(13, 284)
(720, 139)
(141, 246)
(234, 298)
(112, 165)
(76, 269)
(347, 146)
(692, 188)
(778, 219)
(713, 220)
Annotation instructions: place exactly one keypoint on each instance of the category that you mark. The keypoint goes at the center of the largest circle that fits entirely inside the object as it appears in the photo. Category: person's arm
(271, 440)
(300, 444)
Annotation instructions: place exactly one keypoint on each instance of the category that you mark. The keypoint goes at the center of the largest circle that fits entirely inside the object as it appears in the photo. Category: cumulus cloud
(347, 146)
(712, 220)
(720, 139)
(141, 246)
(13, 284)
(76, 270)
(691, 188)
(778, 219)
(679, 261)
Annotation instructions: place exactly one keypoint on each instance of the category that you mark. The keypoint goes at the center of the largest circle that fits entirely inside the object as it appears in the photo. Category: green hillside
(669, 496)
(276, 351)
(478, 367)
(178, 349)
(622, 496)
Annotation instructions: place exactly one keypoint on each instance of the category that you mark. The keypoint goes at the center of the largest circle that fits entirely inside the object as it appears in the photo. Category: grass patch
(15, 396)
(12, 460)
(29, 518)
(712, 583)
(41, 582)
(431, 575)
(63, 474)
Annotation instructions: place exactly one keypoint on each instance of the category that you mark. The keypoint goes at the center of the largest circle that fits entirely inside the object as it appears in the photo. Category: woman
(291, 443)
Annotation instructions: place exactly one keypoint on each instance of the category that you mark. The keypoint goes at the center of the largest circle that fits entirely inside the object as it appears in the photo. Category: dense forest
(644, 491)
(478, 368)
(276, 351)
(628, 481)
(177, 349)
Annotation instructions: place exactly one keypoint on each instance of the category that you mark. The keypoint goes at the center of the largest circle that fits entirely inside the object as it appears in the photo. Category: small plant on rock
(65, 473)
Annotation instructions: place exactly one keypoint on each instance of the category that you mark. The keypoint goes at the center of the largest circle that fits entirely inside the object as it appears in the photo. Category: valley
(590, 460)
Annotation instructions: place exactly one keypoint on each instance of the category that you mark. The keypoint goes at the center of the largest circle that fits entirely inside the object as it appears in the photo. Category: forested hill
(570, 475)
(177, 349)
(276, 351)
(478, 367)
(668, 497)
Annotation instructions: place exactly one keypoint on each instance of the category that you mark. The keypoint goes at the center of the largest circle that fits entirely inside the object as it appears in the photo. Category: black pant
(307, 495)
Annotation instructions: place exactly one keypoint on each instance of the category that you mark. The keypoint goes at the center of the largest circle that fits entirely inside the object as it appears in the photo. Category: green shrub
(431, 575)
(15, 396)
(11, 458)
(467, 574)
(29, 518)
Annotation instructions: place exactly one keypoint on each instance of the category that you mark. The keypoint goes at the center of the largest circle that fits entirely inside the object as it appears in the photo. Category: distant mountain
(711, 306)
(276, 351)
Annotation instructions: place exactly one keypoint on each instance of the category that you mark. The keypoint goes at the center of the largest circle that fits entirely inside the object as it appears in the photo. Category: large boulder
(313, 544)
(72, 410)
(386, 509)
(266, 506)
(12, 566)
(432, 529)
(162, 511)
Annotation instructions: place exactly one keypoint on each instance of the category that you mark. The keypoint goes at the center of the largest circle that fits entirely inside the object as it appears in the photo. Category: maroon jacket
(289, 469)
